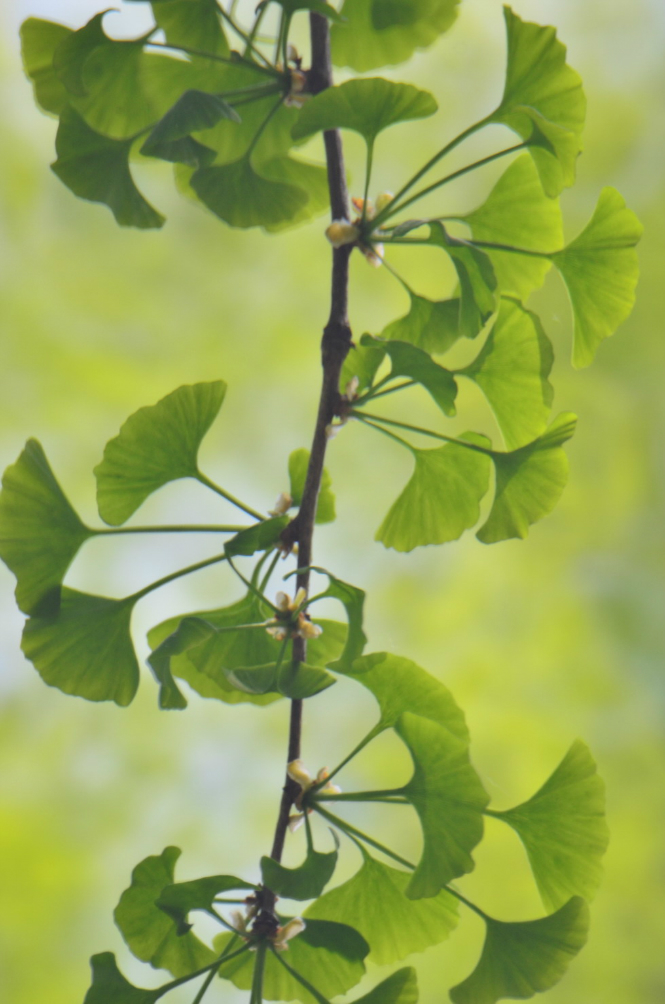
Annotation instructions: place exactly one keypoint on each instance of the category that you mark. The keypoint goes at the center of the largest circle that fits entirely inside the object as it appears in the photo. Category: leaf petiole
(108, 531)
(352, 831)
(252, 588)
(301, 979)
(134, 597)
(422, 432)
(205, 480)
(372, 734)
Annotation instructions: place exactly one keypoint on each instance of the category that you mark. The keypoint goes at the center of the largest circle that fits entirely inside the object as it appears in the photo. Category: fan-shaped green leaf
(432, 325)
(109, 986)
(150, 934)
(529, 483)
(86, 650)
(177, 900)
(512, 370)
(242, 198)
(442, 498)
(39, 40)
(325, 506)
(391, 923)
(543, 101)
(171, 138)
(600, 269)
(96, 168)
(255, 538)
(312, 179)
(191, 631)
(518, 213)
(385, 32)
(410, 361)
(526, 958)
(295, 680)
(400, 988)
(39, 531)
(447, 794)
(563, 829)
(193, 23)
(366, 106)
(477, 281)
(353, 599)
(157, 444)
(305, 882)
(72, 52)
(362, 361)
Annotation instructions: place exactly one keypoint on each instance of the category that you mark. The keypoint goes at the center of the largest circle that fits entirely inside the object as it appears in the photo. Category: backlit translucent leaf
(366, 106)
(39, 40)
(328, 954)
(241, 197)
(157, 444)
(529, 483)
(517, 212)
(563, 829)
(171, 138)
(410, 361)
(442, 498)
(362, 361)
(353, 600)
(432, 325)
(522, 959)
(193, 23)
(394, 925)
(477, 282)
(39, 531)
(600, 269)
(109, 986)
(400, 988)
(447, 794)
(386, 32)
(305, 882)
(150, 934)
(70, 56)
(312, 179)
(191, 631)
(96, 168)
(86, 650)
(325, 506)
(255, 538)
(512, 370)
(400, 685)
(543, 101)
(177, 900)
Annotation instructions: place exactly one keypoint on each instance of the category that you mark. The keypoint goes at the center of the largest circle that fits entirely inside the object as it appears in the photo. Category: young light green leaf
(39, 40)
(529, 482)
(512, 370)
(325, 506)
(400, 988)
(241, 197)
(171, 138)
(385, 32)
(477, 282)
(600, 269)
(543, 101)
(179, 899)
(305, 882)
(255, 538)
(40, 533)
(391, 923)
(432, 325)
(518, 213)
(413, 362)
(192, 23)
(563, 829)
(157, 444)
(86, 650)
(109, 986)
(150, 934)
(353, 599)
(442, 498)
(449, 798)
(526, 958)
(362, 362)
(366, 106)
(191, 631)
(96, 168)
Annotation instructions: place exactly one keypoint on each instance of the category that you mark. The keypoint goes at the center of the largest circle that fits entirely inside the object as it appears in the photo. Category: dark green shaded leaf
(394, 925)
(447, 794)
(39, 40)
(312, 179)
(413, 362)
(295, 680)
(543, 101)
(362, 361)
(97, 169)
(432, 325)
(109, 986)
(177, 900)
(442, 498)
(157, 444)
(237, 194)
(600, 269)
(366, 106)
(477, 281)
(317, 6)
(305, 882)
(86, 650)
(529, 483)
(563, 829)
(193, 23)
(255, 538)
(523, 959)
(325, 506)
(191, 631)
(39, 531)
(387, 32)
(150, 934)
(400, 988)
(512, 370)
(353, 600)
(195, 110)
(70, 56)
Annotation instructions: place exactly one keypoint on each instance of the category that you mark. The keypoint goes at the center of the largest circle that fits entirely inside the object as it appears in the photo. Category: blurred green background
(541, 641)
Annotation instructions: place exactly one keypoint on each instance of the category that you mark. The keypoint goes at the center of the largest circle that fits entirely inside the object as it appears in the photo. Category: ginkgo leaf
(150, 934)
(366, 106)
(385, 32)
(157, 444)
(312, 179)
(512, 370)
(400, 988)
(70, 56)
(518, 213)
(191, 631)
(361, 363)
(449, 798)
(86, 649)
(177, 900)
(529, 482)
(317, 6)
(192, 23)
(325, 506)
(410, 361)
(39, 40)
(391, 923)
(563, 829)
(353, 599)
(477, 282)
(241, 197)
(432, 325)
(255, 538)
(600, 269)
(295, 680)
(442, 498)
(525, 958)
(40, 533)
(307, 881)
(171, 138)
(96, 168)
(543, 101)
(109, 986)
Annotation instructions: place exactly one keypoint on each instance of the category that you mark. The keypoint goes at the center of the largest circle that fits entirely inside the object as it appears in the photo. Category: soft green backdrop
(541, 641)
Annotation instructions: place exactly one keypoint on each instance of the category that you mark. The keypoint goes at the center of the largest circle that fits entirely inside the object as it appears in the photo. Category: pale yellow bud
(299, 773)
(383, 200)
(286, 933)
(351, 389)
(282, 505)
(283, 602)
(308, 630)
(341, 232)
(300, 598)
(374, 255)
(278, 632)
(296, 821)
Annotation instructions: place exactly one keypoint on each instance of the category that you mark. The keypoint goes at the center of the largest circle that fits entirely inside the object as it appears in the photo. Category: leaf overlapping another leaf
(413, 362)
(477, 282)
(39, 41)
(179, 899)
(307, 881)
(385, 32)
(109, 986)
(431, 325)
